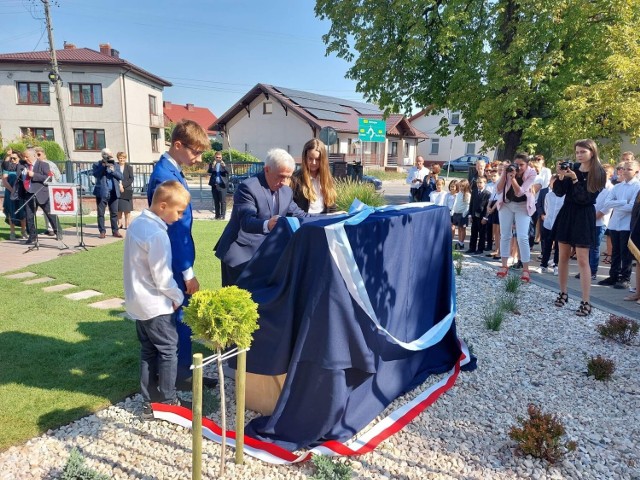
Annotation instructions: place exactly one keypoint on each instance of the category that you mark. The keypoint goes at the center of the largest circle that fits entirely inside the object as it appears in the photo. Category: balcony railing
(156, 121)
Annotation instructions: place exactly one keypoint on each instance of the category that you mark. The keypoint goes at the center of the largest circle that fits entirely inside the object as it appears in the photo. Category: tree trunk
(223, 415)
(511, 143)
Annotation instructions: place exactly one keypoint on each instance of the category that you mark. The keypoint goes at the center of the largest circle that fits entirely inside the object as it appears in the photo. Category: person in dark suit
(257, 204)
(125, 202)
(32, 176)
(188, 142)
(107, 191)
(218, 183)
(478, 212)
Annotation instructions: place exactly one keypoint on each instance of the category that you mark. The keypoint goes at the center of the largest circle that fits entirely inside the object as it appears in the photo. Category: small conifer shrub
(75, 469)
(541, 435)
(328, 469)
(620, 329)
(601, 368)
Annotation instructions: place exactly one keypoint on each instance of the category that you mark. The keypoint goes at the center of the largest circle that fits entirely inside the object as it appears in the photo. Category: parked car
(464, 163)
(240, 172)
(376, 182)
(87, 181)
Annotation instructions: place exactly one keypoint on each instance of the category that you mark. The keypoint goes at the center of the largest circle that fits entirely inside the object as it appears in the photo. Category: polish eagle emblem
(63, 200)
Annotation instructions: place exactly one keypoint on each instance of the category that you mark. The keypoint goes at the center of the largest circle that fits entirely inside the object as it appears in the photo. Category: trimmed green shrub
(53, 151)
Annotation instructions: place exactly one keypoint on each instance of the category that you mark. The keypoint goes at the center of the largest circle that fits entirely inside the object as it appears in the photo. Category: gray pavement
(14, 255)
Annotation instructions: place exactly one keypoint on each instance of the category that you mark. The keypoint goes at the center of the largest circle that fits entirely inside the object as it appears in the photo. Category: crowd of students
(513, 205)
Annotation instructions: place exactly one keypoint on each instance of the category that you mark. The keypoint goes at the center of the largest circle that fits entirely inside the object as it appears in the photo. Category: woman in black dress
(575, 225)
(125, 202)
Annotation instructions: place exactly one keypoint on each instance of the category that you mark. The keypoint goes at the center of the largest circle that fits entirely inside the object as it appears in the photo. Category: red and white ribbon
(271, 453)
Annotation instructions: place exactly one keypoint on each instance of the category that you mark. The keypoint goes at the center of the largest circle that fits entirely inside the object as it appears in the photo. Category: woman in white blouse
(312, 185)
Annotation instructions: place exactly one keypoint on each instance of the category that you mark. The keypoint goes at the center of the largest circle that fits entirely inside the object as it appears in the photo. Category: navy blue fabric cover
(341, 371)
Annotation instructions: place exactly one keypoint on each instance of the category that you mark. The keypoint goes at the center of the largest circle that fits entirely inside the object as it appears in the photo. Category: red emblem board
(63, 198)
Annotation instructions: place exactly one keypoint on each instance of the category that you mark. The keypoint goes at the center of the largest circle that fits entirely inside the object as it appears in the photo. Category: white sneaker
(545, 270)
(555, 271)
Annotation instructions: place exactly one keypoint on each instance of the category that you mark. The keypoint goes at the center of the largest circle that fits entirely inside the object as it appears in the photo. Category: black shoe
(30, 241)
(608, 281)
(49, 233)
(622, 284)
(517, 266)
(470, 252)
(147, 411)
(577, 275)
(185, 385)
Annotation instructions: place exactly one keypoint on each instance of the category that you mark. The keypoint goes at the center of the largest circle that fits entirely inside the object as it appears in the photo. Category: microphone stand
(82, 245)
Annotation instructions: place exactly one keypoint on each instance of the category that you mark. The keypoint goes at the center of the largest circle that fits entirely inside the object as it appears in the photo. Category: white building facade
(106, 101)
(438, 148)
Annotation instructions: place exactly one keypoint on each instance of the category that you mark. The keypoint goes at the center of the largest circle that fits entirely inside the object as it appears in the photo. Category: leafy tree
(524, 74)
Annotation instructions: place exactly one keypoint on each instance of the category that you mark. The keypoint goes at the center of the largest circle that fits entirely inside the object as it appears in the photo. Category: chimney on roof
(166, 105)
(105, 49)
(190, 107)
(69, 46)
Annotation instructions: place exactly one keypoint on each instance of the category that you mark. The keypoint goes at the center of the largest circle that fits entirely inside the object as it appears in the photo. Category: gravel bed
(539, 356)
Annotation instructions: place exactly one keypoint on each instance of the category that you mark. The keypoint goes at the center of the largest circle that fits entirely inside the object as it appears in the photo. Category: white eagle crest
(63, 200)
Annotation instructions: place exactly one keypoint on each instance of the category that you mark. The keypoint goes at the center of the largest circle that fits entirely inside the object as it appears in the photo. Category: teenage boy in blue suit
(188, 141)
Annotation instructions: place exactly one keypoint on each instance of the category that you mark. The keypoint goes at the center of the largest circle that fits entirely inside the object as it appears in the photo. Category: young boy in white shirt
(152, 295)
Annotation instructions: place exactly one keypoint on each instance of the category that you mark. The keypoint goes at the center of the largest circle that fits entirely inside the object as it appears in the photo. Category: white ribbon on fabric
(342, 255)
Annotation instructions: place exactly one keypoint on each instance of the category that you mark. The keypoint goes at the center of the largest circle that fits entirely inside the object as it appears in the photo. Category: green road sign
(370, 130)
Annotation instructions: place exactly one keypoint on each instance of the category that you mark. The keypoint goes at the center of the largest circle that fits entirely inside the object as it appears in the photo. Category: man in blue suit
(107, 191)
(188, 141)
(257, 204)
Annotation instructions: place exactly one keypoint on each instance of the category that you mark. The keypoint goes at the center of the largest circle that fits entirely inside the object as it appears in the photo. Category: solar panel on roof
(358, 106)
(326, 115)
(307, 103)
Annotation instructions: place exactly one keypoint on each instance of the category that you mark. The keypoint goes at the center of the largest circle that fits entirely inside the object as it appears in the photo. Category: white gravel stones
(538, 356)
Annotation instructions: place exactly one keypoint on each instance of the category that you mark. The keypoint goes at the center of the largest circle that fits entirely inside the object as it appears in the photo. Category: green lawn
(62, 359)
(65, 221)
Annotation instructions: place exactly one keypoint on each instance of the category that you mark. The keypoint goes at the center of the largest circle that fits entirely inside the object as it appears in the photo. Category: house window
(155, 138)
(36, 132)
(455, 118)
(33, 93)
(267, 108)
(394, 149)
(153, 110)
(86, 94)
(471, 149)
(435, 146)
(89, 139)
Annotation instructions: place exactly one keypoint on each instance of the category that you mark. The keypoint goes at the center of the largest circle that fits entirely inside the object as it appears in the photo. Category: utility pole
(54, 77)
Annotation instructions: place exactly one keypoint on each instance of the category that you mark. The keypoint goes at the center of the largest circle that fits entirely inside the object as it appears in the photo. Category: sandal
(502, 272)
(607, 260)
(525, 277)
(584, 309)
(562, 300)
(632, 298)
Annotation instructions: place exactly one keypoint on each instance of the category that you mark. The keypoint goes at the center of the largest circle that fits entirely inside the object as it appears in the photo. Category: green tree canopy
(524, 74)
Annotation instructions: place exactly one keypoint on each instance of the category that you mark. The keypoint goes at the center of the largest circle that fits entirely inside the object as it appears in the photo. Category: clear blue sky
(213, 51)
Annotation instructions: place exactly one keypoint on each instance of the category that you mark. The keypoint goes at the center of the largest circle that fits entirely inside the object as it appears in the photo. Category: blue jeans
(594, 251)
(158, 358)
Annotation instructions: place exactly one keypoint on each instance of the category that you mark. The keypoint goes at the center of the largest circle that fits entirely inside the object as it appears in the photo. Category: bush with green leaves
(348, 190)
(620, 329)
(541, 435)
(53, 151)
(458, 258)
(600, 368)
(75, 469)
(222, 318)
(328, 469)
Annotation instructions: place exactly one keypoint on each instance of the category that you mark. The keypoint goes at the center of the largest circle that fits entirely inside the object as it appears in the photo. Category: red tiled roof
(201, 115)
(347, 111)
(79, 56)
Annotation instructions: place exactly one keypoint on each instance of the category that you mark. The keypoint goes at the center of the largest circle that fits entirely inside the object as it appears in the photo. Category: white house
(268, 117)
(439, 148)
(107, 102)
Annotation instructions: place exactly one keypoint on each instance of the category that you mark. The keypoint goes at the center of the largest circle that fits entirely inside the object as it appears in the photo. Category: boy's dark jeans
(158, 358)
(478, 235)
(546, 239)
(621, 257)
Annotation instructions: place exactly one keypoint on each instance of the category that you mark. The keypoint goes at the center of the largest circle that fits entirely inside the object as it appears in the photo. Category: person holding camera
(218, 184)
(516, 204)
(575, 226)
(107, 191)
